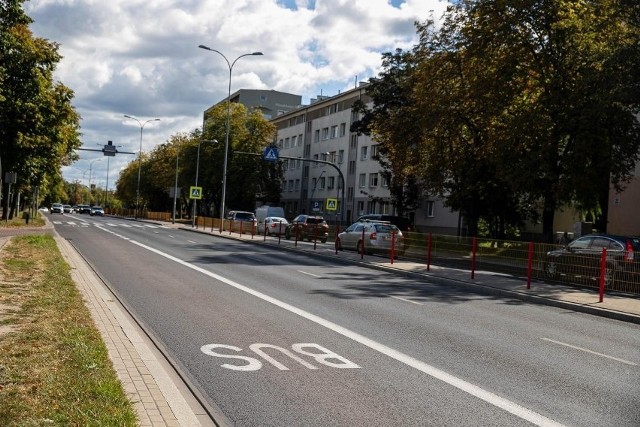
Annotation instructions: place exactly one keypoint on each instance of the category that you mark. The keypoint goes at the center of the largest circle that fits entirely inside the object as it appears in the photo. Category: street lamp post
(193, 215)
(139, 159)
(226, 139)
(90, 165)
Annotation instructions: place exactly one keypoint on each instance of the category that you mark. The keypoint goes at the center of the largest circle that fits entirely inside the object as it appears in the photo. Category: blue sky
(141, 58)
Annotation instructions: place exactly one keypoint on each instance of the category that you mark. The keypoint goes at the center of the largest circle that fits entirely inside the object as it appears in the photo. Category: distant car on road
(242, 220)
(57, 208)
(84, 209)
(97, 210)
(308, 227)
(273, 225)
(44, 209)
(580, 260)
(403, 223)
(67, 209)
(379, 238)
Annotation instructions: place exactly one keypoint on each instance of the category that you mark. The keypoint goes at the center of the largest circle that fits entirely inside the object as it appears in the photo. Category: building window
(316, 136)
(363, 180)
(363, 153)
(384, 180)
(354, 141)
(300, 140)
(290, 185)
(293, 141)
(332, 157)
(286, 143)
(340, 156)
(361, 208)
(280, 144)
(374, 152)
(373, 180)
(334, 131)
(350, 194)
(332, 182)
(322, 183)
(352, 167)
(297, 187)
(285, 165)
(343, 129)
(429, 209)
(315, 157)
(325, 134)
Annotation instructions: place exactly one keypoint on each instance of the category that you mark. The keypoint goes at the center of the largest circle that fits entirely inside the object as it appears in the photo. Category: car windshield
(244, 216)
(312, 220)
(386, 228)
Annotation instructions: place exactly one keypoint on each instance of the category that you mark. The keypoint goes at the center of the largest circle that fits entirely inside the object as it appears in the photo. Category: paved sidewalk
(615, 306)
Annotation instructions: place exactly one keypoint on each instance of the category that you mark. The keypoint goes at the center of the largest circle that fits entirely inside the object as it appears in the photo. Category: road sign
(332, 204)
(195, 192)
(270, 154)
(316, 205)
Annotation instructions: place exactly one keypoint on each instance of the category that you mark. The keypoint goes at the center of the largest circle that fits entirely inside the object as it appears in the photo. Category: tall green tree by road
(39, 128)
(523, 102)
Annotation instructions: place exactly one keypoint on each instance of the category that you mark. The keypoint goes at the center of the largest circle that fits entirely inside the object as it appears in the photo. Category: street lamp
(90, 165)
(193, 216)
(139, 159)
(226, 139)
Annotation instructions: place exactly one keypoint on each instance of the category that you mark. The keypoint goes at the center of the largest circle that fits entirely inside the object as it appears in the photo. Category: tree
(390, 122)
(39, 128)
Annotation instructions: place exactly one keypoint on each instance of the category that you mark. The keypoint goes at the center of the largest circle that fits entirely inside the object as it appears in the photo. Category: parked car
(43, 209)
(403, 223)
(67, 209)
(580, 260)
(97, 210)
(308, 227)
(378, 238)
(272, 225)
(265, 211)
(242, 220)
(84, 209)
(57, 208)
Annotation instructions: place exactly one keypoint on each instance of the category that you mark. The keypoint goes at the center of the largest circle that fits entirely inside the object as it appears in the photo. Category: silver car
(379, 237)
(272, 225)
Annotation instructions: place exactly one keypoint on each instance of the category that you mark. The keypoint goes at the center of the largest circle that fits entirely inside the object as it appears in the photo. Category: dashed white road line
(407, 300)
(308, 274)
(590, 351)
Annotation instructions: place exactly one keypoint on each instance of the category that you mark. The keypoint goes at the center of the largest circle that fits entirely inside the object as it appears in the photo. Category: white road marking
(590, 351)
(308, 274)
(191, 241)
(459, 383)
(407, 300)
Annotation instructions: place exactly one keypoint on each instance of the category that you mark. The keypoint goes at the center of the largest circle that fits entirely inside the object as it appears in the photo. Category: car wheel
(323, 240)
(551, 269)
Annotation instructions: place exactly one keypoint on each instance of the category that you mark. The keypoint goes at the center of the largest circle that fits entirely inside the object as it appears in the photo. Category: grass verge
(54, 366)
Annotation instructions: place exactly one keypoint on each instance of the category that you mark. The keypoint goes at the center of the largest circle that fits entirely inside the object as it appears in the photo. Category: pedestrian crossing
(83, 224)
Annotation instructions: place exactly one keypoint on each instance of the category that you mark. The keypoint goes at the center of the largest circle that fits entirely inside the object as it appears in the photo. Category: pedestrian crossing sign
(195, 193)
(332, 204)
(270, 154)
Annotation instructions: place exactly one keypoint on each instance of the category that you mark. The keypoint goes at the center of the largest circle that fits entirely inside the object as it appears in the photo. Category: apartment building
(319, 132)
(270, 102)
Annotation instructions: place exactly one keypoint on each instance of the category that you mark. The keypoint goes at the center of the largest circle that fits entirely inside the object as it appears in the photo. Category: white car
(272, 225)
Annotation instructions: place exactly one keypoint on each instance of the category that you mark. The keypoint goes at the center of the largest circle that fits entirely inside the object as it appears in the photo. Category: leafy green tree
(39, 128)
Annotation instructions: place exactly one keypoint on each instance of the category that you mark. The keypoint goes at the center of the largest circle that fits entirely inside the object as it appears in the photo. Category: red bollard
(429, 252)
(296, 238)
(266, 231)
(529, 265)
(279, 231)
(603, 270)
(474, 248)
(315, 236)
(393, 245)
(362, 249)
(337, 238)
(241, 222)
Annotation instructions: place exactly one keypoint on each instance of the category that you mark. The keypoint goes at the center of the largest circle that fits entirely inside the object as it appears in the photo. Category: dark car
(403, 223)
(242, 221)
(310, 227)
(84, 209)
(580, 260)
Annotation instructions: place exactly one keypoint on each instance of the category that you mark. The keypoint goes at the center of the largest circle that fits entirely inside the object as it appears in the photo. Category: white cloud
(141, 57)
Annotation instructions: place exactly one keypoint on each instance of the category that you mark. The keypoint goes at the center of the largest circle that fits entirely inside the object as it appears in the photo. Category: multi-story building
(270, 102)
(320, 132)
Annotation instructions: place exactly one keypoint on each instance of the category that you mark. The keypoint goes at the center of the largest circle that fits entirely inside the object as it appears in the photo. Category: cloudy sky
(141, 58)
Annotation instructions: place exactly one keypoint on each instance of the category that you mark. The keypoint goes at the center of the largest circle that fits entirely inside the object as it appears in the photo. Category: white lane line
(170, 236)
(465, 386)
(191, 241)
(590, 351)
(407, 300)
(308, 274)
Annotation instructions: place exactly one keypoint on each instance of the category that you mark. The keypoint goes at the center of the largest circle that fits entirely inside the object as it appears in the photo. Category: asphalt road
(275, 338)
